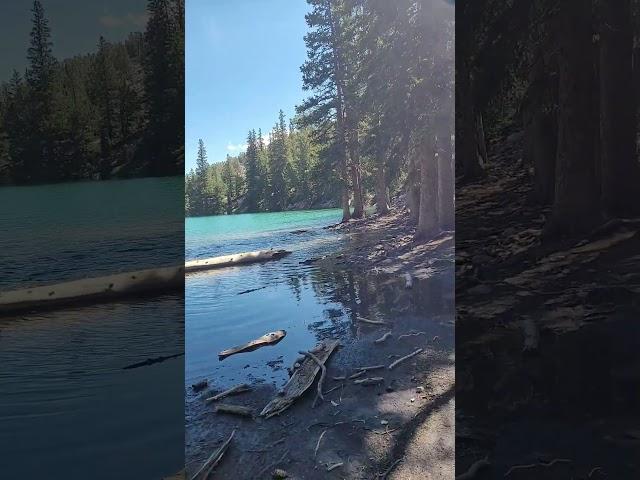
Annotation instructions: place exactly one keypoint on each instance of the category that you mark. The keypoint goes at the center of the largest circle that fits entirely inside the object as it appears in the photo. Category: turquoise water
(59, 232)
(67, 408)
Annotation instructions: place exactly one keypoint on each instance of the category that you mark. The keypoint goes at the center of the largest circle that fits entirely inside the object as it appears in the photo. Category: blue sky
(243, 61)
(75, 25)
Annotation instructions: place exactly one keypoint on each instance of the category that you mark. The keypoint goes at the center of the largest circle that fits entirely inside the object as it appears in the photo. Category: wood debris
(402, 359)
(242, 387)
(300, 381)
(213, 460)
(270, 338)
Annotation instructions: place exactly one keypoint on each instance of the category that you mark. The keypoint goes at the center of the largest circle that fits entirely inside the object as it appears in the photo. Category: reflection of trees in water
(374, 296)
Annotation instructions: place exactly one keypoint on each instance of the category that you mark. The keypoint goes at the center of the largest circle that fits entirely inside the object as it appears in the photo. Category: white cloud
(236, 148)
(128, 20)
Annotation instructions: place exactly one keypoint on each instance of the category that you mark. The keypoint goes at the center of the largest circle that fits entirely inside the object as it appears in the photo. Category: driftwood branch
(383, 338)
(315, 452)
(373, 367)
(243, 387)
(372, 322)
(322, 375)
(213, 460)
(301, 379)
(234, 410)
(412, 334)
(369, 381)
(402, 359)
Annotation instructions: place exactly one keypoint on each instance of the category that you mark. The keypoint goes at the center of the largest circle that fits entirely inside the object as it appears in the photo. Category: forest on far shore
(115, 113)
(378, 122)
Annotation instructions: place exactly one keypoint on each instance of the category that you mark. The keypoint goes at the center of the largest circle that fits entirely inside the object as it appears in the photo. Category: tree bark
(446, 180)
(576, 207)
(428, 218)
(382, 199)
(467, 125)
(544, 146)
(356, 174)
(619, 164)
(413, 185)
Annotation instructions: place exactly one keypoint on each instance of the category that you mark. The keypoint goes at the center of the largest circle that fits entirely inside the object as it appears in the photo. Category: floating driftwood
(251, 290)
(383, 338)
(104, 288)
(234, 409)
(402, 359)
(243, 387)
(151, 361)
(213, 460)
(235, 259)
(300, 381)
(267, 339)
(369, 381)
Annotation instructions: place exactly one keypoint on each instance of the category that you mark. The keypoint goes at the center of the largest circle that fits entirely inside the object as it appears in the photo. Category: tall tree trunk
(544, 141)
(382, 198)
(356, 174)
(446, 180)
(340, 114)
(428, 218)
(576, 206)
(467, 125)
(413, 183)
(620, 168)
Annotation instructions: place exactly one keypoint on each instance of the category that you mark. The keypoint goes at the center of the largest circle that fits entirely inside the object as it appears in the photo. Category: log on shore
(300, 381)
(267, 339)
(107, 288)
(235, 259)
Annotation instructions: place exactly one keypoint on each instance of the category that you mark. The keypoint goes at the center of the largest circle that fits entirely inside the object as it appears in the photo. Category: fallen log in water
(267, 339)
(105, 288)
(151, 361)
(235, 259)
(300, 381)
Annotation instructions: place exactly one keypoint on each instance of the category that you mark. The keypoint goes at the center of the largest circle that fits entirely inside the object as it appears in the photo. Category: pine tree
(324, 73)
(253, 172)
(200, 189)
(38, 161)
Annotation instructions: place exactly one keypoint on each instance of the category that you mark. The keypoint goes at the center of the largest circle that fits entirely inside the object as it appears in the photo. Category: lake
(67, 407)
(311, 302)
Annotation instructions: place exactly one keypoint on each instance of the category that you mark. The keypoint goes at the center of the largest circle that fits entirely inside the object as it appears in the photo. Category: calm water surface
(61, 371)
(311, 302)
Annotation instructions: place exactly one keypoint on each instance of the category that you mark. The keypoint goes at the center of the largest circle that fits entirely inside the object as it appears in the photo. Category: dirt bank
(545, 335)
(401, 428)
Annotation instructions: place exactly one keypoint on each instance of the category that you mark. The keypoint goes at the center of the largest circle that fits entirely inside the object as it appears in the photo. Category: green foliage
(100, 115)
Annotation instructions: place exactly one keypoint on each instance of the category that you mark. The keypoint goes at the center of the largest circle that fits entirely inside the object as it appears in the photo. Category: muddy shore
(399, 429)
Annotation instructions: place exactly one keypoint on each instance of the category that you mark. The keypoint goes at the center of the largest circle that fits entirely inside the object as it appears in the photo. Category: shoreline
(366, 428)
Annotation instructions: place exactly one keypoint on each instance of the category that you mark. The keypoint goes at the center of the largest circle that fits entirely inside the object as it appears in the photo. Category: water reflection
(311, 301)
